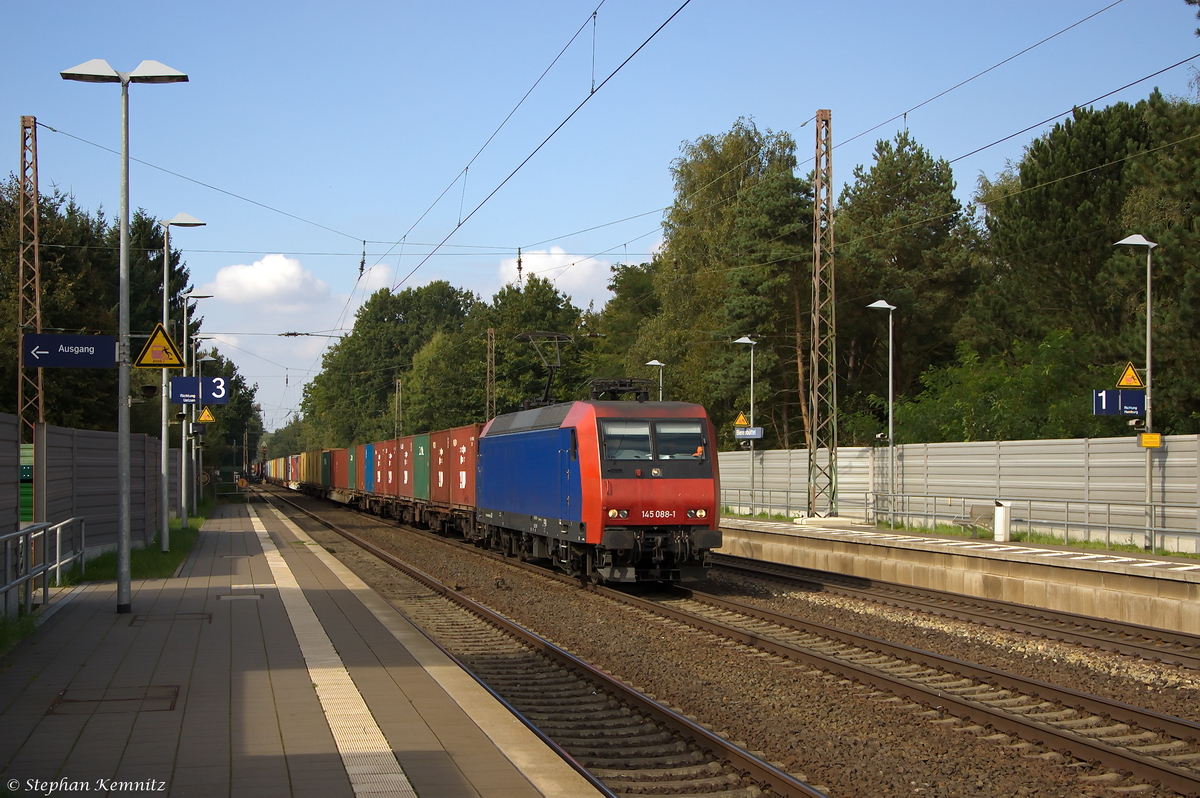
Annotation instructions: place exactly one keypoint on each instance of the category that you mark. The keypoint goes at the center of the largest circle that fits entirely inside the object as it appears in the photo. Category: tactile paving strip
(365, 752)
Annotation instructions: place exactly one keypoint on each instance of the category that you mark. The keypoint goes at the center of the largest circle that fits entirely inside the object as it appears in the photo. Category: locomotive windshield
(672, 440)
(627, 440)
(679, 440)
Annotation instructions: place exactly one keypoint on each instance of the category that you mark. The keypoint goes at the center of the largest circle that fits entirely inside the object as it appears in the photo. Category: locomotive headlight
(701, 513)
(612, 513)
(618, 513)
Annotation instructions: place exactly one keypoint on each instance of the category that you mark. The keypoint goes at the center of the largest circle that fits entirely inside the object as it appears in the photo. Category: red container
(464, 446)
(385, 468)
(404, 467)
(360, 463)
(440, 467)
(339, 468)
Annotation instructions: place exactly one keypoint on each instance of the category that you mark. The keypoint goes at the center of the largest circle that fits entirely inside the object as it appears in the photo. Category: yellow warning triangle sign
(1130, 378)
(206, 417)
(160, 352)
(741, 421)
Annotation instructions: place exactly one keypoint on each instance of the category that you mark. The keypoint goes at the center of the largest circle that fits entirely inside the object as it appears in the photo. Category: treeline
(1010, 310)
(79, 256)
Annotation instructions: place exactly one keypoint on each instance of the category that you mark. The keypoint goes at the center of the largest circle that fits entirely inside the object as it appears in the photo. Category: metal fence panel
(1057, 484)
(77, 476)
(10, 473)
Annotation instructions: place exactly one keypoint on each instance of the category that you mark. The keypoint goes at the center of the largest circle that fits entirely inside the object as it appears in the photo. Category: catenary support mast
(822, 471)
(30, 403)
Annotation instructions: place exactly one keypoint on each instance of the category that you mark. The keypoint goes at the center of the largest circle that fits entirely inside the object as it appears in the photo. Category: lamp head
(1135, 240)
(182, 220)
(745, 339)
(881, 304)
(656, 363)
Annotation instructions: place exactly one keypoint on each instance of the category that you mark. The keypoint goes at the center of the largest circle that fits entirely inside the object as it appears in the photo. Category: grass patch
(14, 630)
(149, 562)
(1043, 538)
(726, 512)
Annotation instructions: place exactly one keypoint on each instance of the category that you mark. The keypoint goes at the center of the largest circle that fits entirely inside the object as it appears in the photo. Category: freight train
(610, 491)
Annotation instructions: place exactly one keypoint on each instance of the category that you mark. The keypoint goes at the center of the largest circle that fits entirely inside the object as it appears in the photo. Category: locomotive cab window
(627, 440)
(680, 440)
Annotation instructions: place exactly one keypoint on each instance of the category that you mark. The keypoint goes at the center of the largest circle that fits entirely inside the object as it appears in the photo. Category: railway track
(1156, 645)
(1159, 749)
(623, 738)
(1139, 749)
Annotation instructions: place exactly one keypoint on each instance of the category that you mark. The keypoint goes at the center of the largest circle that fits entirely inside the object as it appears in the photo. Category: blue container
(368, 468)
(529, 475)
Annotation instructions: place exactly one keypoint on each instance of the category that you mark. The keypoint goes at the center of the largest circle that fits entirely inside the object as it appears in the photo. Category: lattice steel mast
(30, 403)
(822, 478)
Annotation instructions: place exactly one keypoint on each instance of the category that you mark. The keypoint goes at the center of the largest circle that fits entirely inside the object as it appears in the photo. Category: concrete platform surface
(265, 668)
(1160, 592)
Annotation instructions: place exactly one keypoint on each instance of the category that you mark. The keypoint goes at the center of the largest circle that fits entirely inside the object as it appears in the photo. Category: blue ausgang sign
(199, 391)
(69, 351)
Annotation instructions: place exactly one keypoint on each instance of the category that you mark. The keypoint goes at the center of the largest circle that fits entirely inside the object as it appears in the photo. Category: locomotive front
(659, 494)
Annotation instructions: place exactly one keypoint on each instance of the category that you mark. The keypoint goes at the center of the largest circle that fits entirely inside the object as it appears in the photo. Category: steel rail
(1179, 779)
(766, 775)
(1067, 627)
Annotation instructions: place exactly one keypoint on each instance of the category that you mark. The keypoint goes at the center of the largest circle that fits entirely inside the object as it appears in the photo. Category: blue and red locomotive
(610, 491)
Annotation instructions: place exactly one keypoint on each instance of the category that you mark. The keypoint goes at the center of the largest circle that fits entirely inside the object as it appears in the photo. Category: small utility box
(1001, 522)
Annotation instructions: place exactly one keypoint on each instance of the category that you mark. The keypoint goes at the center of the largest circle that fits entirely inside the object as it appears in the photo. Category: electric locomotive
(610, 491)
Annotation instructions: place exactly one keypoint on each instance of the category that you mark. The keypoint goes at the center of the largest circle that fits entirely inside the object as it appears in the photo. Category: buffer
(160, 352)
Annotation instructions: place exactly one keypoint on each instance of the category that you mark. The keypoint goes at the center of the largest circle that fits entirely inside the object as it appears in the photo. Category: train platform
(263, 668)
(1160, 592)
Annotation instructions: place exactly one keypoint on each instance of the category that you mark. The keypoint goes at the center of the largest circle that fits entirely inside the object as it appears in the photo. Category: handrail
(26, 557)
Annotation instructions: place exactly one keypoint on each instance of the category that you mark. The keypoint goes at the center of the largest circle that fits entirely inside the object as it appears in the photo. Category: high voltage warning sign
(1130, 378)
(206, 417)
(741, 421)
(160, 352)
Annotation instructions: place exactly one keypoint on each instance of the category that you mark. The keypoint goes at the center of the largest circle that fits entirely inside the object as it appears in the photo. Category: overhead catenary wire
(545, 141)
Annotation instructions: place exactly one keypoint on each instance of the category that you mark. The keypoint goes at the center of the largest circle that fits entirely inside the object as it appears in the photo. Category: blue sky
(355, 117)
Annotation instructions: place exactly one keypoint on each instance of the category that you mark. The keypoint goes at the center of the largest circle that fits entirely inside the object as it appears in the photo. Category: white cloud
(583, 279)
(275, 284)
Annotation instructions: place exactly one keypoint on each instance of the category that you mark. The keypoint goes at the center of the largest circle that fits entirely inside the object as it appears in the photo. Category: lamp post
(660, 370)
(1140, 241)
(745, 339)
(200, 452)
(180, 220)
(891, 309)
(98, 71)
(184, 460)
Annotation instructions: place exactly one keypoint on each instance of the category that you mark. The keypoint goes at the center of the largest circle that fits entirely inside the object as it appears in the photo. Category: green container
(327, 468)
(26, 497)
(352, 477)
(421, 455)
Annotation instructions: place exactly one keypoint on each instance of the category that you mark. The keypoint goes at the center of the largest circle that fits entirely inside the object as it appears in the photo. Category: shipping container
(368, 460)
(464, 443)
(352, 468)
(340, 468)
(441, 463)
(326, 468)
(385, 468)
(404, 467)
(420, 467)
